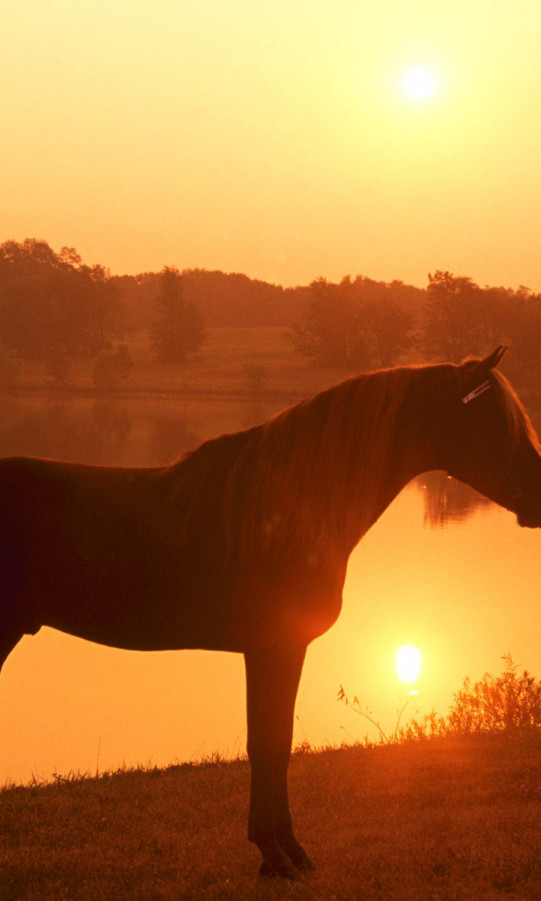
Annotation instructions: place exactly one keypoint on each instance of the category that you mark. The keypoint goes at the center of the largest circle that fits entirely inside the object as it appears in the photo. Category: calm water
(441, 570)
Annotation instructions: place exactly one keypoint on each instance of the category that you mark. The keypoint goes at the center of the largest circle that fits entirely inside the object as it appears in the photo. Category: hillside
(446, 819)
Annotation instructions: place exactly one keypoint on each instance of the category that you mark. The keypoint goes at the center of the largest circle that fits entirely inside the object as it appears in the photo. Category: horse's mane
(307, 462)
(314, 473)
(518, 422)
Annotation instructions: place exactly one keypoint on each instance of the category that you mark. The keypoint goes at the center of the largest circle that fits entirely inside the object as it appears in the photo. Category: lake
(441, 570)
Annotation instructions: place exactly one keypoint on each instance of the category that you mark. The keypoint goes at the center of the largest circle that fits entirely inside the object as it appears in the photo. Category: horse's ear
(494, 358)
(483, 368)
(478, 375)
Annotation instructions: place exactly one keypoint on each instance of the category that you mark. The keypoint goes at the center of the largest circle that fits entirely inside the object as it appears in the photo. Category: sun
(419, 83)
(408, 663)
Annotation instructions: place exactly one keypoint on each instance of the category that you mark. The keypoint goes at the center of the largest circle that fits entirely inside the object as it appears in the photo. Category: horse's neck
(415, 445)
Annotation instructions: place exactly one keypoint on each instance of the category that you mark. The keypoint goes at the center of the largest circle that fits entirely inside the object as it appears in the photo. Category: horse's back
(101, 553)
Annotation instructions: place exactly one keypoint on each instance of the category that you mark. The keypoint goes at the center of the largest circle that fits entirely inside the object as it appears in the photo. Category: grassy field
(224, 366)
(446, 819)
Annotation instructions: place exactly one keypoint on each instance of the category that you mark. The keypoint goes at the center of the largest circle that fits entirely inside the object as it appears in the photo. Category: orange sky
(272, 138)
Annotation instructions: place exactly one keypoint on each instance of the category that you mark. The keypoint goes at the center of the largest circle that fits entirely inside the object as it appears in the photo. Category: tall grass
(510, 702)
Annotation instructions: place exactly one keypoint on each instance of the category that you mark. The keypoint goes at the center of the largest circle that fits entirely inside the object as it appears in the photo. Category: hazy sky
(272, 138)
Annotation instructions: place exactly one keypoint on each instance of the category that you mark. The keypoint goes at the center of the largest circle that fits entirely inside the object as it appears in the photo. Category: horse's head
(492, 445)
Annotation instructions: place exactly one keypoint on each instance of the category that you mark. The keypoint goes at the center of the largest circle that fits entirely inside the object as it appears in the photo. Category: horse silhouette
(242, 544)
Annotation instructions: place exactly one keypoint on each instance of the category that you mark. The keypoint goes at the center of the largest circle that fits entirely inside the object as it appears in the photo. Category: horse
(242, 544)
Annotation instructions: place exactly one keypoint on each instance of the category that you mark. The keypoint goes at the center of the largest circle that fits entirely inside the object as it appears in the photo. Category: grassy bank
(445, 819)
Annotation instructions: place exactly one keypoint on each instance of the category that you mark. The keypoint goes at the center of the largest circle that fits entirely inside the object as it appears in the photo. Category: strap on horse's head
(484, 386)
(482, 370)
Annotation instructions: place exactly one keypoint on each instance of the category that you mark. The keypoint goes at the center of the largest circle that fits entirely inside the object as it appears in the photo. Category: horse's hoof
(296, 854)
(283, 871)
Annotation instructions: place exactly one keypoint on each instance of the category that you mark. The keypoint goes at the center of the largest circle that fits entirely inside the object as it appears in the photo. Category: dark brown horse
(242, 545)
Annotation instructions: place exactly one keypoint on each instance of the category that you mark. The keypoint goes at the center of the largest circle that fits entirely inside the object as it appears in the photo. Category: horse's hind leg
(272, 679)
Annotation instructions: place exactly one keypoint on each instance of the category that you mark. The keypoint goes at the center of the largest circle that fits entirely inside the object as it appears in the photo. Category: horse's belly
(138, 603)
(128, 588)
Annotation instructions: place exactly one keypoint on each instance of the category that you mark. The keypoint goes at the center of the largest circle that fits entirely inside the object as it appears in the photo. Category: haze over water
(464, 594)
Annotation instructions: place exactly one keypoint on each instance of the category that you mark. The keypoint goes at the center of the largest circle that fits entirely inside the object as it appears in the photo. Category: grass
(449, 818)
(218, 368)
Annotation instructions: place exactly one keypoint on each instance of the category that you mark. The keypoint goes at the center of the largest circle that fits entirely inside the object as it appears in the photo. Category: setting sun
(408, 663)
(419, 83)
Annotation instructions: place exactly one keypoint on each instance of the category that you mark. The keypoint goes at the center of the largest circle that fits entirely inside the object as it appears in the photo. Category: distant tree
(391, 328)
(460, 318)
(26, 318)
(10, 368)
(112, 366)
(58, 367)
(522, 330)
(463, 319)
(332, 331)
(179, 330)
(355, 325)
(28, 258)
(49, 300)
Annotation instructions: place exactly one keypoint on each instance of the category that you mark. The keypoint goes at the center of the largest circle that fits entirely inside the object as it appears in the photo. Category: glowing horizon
(273, 141)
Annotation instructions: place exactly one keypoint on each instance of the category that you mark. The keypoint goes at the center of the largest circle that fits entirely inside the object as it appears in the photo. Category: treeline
(55, 308)
(52, 299)
(359, 324)
(223, 299)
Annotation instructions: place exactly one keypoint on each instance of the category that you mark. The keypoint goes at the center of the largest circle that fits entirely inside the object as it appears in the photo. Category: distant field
(446, 819)
(224, 365)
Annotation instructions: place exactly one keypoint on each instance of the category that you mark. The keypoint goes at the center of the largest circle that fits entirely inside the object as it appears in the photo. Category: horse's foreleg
(272, 679)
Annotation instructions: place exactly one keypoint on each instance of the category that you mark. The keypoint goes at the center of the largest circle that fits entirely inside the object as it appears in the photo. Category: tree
(331, 332)
(179, 330)
(522, 330)
(50, 300)
(10, 368)
(112, 367)
(391, 328)
(58, 367)
(459, 318)
(355, 324)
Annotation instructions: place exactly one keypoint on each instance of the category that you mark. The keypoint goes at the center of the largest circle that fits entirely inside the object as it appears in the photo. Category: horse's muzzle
(529, 519)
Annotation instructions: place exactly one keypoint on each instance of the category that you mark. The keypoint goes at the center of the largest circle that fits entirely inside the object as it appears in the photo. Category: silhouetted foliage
(10, 368)
(456, 323)
(223, 299)
(462, 318)
(111, 367)
(179, 330)
(355, 324)
(52, 302)
(385, 738)
(507, 703)
(58, 367)
(49, 300)
(510, 702)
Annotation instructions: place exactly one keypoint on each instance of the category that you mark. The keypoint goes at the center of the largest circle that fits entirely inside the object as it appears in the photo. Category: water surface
(442, 570)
